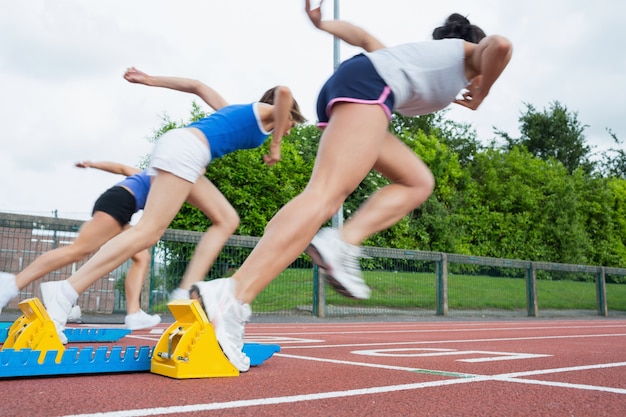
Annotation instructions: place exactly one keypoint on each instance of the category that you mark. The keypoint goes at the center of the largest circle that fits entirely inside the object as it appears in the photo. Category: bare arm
(186, 85)
(283, 101)
(112, 167)
(487, 61)
(345, 31)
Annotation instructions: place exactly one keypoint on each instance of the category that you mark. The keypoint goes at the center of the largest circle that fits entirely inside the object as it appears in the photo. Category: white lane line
(415, 352)
(563, 385)
(425, 342)
(429, 342)
(331, 331)
(357, 392)
(464, 379)
(342, 362)
(276, 400)
(508, 377)
(566, 369)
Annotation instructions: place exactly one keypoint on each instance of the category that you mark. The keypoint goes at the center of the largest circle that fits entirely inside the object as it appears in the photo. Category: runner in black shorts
(111, 215)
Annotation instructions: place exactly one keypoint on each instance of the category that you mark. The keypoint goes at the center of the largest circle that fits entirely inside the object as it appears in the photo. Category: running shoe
(340, 261)
(179, 294)
(57, 305)
(8, 289)
(228, 316)
(75, 316)
(141, 320)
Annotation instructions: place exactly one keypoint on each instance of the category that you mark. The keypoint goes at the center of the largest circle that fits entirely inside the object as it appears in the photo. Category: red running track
(488, 368)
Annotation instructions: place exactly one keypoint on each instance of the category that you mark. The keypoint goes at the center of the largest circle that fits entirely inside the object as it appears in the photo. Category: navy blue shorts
(118, 203)
(355, 81)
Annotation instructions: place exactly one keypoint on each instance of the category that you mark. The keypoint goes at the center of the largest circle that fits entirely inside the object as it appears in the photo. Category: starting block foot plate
(259, 353)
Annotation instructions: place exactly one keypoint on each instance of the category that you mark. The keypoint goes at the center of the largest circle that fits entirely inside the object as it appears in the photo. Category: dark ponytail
(459, 27)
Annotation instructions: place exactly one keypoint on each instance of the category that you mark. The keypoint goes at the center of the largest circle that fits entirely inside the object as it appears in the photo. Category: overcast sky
(63, 98)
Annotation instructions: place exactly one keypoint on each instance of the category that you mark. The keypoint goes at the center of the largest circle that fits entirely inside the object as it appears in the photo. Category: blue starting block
(90, 335)
(25, 362)
(84, 335)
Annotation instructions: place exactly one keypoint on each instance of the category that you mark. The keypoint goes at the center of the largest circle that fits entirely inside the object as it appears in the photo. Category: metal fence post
(319, 293)
(603, 308)
(531, 290)
(442, 285)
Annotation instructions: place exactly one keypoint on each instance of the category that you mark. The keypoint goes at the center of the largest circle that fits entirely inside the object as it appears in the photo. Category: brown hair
(459, 27)
(296, 115)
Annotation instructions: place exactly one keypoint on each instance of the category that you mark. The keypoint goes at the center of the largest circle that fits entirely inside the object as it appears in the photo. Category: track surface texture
(346, 368)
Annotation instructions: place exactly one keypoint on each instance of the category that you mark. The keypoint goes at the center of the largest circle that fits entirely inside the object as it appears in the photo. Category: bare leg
(224, 221)
(93, 234)
(355, 130)
(134, 280)
(412, 183)
(359, 132)
(167, 194)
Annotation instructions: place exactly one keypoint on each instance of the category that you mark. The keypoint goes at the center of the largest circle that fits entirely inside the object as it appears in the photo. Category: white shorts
(181, 153)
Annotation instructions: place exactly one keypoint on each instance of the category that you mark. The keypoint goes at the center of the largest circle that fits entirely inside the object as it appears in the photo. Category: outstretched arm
(283, 101)
(488, 59)
(187, 85)
(345, 31)
(112, 167)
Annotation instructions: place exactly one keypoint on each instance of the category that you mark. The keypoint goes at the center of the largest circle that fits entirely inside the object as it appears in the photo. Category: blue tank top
(139, 185)
(231, 128)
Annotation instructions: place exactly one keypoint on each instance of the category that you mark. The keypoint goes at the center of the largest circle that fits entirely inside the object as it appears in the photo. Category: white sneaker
(8, 289)
(340, 261)
(228, 316)
(57, 305)
(75, 315)
(179, 294)
(141, 320)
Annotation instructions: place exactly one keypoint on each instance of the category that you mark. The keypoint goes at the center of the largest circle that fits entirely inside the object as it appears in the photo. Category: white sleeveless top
(424, 77)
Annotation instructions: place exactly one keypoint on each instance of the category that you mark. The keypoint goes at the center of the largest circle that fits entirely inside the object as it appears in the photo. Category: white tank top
(424, 77)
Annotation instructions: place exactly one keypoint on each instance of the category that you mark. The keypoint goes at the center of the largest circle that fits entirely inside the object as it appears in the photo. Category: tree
(459, 138)
(498, 201)
(614, 160)
(554, 133)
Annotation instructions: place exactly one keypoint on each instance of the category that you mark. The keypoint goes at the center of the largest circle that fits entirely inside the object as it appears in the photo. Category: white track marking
(329, 330)
(279, 340)
(431, 352)
(452, 378)
(430, 342)
(364, 391)
(342, 362)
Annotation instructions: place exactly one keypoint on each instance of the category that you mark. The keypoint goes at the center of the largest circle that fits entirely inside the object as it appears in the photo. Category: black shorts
(118, 203)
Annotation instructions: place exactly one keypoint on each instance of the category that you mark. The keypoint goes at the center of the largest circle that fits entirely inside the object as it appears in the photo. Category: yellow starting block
(34, 330)
(189, 348)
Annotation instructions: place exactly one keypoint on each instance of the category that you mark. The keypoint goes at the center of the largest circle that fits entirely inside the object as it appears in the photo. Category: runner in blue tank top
(177, 164)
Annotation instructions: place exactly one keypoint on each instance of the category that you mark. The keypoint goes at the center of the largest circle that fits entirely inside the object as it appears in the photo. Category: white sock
(13, 290)
(69, 292)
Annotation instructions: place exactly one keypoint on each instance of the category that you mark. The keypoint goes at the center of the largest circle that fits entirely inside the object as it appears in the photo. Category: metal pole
(337, 220)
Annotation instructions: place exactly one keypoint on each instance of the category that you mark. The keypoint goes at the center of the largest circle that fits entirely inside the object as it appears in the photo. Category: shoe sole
(317, 259)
